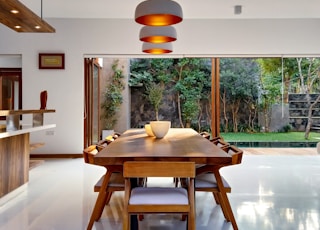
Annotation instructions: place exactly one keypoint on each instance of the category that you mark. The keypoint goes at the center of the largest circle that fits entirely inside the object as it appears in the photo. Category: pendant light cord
(41, 9)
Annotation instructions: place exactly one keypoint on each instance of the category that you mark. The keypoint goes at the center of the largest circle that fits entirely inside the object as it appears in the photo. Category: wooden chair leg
(104, 202)
(191, 222)
(216, 198)
(126, 221)
(100, 202)
(183, 182)
(226, 209)
(223, 207)
(176, 181)
(108, 197)
(98, 209)
(189, 225)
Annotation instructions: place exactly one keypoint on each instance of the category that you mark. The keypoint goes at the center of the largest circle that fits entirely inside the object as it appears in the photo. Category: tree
(188, 79)
(309, 75)
(154, 94)
(238, 85)
(191, 84)
(153, 75)
(270, 86)
(300, 75)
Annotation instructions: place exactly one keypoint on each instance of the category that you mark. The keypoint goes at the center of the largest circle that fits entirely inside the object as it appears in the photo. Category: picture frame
(51, 60)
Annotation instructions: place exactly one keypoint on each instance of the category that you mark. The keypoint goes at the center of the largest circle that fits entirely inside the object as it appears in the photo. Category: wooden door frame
(215, 97)
(89, 64)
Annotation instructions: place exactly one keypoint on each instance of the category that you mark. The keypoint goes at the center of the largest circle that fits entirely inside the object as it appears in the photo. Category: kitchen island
(15, 147)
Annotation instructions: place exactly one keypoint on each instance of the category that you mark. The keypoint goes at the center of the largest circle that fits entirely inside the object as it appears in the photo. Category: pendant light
(158, 34)
(158, 13)
(154, 48)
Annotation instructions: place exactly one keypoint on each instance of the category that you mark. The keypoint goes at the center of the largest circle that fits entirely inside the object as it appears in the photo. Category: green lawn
(269, 137)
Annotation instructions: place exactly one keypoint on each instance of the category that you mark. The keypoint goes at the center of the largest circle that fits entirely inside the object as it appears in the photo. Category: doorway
(91, 101)
(11, 88)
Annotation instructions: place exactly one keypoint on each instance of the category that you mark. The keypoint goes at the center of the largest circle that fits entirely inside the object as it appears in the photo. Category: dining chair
(146, 200)
(205, 135)
(108, 140)
(206, 181)
(219, 141)
(176, 180)
(116, 181)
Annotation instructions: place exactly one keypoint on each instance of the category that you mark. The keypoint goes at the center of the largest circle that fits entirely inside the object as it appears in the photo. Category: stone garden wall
(298, 111)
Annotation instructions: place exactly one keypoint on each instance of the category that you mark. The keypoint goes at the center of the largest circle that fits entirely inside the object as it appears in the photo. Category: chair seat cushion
(208, 180)
(155, 195)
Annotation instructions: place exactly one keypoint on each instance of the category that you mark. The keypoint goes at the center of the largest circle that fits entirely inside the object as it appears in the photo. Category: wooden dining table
(180, 144)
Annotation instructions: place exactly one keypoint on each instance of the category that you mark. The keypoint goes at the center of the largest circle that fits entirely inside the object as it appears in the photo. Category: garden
(250, 90)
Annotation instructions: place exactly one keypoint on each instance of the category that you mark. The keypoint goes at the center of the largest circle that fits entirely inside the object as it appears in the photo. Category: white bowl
(148, 130)
(160, 128)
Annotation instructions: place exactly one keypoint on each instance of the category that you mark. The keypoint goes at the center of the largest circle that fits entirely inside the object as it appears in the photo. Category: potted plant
(112, 99)
(154, 94)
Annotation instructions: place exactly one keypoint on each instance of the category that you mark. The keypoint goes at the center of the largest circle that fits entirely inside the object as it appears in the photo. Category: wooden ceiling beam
(23, 21)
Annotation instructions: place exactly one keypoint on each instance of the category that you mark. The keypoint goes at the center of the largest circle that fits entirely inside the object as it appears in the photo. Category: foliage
(154, 93)
(239, 86)
(247, 86)
(189, 78)
(145, 71)
(286, 128)
(285, 137)
(191, 85)
(293, 75)
(308, 72)
(113, 96)
(270, 86)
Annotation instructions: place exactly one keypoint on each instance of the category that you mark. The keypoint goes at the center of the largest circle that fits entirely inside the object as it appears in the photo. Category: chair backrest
(89, 153)
(205, 135)
(216, 138)
(220, 142)
(102, 146)
(135, 169)
(235, 153)
(116, 135)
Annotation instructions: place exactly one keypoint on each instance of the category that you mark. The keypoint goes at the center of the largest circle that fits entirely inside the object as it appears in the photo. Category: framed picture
(51, 61)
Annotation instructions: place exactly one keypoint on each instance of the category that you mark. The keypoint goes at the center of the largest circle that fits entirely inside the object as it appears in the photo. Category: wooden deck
(281, 151)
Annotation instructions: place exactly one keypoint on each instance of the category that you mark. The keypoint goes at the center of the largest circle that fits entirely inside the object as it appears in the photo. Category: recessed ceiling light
(17, 27)
(37, 27)
(14, 11)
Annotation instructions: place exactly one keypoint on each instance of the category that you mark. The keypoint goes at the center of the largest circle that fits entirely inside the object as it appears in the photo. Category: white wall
(79, 37)
(10, 61)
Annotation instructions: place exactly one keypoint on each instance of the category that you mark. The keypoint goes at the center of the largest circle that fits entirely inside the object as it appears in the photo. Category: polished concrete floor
(278, 192)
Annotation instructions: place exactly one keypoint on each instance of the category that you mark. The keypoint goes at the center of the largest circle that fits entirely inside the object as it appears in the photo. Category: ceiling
(192, 9)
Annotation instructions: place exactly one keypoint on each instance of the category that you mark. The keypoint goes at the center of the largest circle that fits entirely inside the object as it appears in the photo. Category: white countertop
(26, 129)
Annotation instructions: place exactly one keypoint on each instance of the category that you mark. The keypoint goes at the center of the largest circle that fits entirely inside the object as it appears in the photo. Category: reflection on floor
(268, 193)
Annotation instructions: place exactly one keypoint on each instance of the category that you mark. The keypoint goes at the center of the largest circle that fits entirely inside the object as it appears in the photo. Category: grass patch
(271, 137)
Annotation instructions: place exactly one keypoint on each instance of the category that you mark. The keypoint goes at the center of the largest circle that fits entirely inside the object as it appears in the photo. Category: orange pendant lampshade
(158, 34)
(158, 13)
(154, 48)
